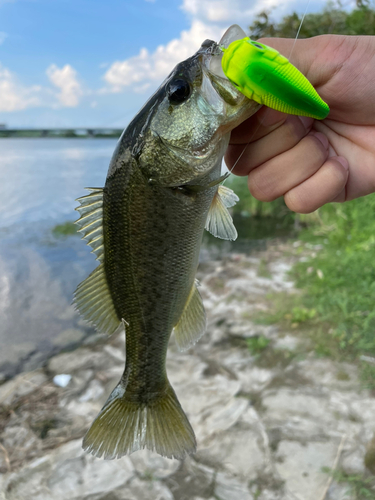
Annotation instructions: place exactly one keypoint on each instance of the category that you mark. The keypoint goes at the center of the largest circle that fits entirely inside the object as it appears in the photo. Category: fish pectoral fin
(91, 220)
(93, 300)
(219, 221)
(228, 196)
(126, 425)
(192, 323)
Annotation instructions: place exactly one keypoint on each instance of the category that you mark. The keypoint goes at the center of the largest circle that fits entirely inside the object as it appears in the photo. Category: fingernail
(306, 121)
(322, 138)
(344, 162)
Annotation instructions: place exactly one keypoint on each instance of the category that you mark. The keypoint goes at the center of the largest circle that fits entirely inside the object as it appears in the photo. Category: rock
(329, 373)
(23, 384)
(190, 480)
(288, 343)
(238, 451)
(68, 473)
(136, 489)
(117, 354)
(300, 466)
(199, 396)
(69, 336)
(230, 488)
(340, 492)
(94, 391)
(83, 358)
(353, 463)
(220, 418)
(62, 380)
(284, 403)
(20, 437)
(150, 465)
(255, 379)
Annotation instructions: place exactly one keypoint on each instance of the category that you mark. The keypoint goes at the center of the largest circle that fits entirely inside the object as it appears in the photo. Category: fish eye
(178, 91)
(257, 45)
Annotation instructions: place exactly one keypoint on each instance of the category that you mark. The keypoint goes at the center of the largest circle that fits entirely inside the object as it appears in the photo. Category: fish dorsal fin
(91, 220)
(93, 300)
(192, 323)
(219, 222)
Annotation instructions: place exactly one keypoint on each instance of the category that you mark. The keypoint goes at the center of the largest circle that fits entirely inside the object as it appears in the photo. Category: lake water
(39, 182)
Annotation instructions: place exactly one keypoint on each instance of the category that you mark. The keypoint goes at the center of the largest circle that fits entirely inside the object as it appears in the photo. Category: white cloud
(14, 96)
(209, 19)
(3, 36)
(141, 70)
(65, 79)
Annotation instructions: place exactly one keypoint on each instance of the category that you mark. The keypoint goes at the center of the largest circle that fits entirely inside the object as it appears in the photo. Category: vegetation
(338, 281)
(66, 229)
(360, 487)
(332, 20)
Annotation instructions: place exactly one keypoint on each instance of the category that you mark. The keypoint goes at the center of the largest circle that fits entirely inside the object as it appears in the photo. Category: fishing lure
(261, 73)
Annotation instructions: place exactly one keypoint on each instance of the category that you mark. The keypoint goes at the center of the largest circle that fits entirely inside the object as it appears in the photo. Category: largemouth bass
(146, 227)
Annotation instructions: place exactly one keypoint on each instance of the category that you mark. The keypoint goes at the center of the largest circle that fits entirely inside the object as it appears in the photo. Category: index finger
(260, 124)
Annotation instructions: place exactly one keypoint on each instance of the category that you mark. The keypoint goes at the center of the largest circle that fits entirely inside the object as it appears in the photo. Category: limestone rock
(228, 487)
(300, 466)
(23, 384)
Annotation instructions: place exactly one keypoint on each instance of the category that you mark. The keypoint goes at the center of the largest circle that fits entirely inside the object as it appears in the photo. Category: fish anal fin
(219, 221)
(124, 426)
(93, 300)
(192, 323)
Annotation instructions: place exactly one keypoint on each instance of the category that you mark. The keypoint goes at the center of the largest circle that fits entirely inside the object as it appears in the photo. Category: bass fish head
(182, 132)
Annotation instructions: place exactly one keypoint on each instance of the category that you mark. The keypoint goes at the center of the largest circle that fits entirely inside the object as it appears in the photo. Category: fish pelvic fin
(93, 300)
(219, 221)
(125, 425)
(192, 324)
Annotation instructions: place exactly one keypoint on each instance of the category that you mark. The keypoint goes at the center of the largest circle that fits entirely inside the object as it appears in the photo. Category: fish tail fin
(124, 426)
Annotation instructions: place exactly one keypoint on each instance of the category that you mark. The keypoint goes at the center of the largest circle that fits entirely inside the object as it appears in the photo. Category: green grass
(256, 345)
(339, 281)
(360, 487)
(62, 230)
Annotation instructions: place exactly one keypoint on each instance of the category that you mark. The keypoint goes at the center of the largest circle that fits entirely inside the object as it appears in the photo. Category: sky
(93, 63)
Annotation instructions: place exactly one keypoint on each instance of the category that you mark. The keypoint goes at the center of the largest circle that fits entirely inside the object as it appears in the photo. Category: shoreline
(268, 415)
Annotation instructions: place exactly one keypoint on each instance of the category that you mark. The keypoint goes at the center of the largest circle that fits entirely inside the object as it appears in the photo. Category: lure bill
(261, 73)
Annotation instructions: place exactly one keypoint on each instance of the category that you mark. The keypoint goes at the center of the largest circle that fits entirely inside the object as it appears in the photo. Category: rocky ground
(267, 423)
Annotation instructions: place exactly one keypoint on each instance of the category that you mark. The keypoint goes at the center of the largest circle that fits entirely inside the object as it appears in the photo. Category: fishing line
(260, 121)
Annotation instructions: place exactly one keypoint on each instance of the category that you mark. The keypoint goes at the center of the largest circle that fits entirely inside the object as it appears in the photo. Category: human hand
(307, 161)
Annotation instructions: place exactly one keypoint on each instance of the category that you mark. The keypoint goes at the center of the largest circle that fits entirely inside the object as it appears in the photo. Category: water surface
(39, 182)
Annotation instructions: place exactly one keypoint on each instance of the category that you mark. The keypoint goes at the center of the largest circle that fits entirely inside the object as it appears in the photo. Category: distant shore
(64, 133)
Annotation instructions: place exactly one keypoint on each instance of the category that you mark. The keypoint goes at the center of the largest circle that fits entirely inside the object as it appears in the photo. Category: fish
(145, 226)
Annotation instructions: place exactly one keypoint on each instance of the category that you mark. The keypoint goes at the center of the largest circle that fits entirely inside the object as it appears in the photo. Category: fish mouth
(219, 93)
(232, 34)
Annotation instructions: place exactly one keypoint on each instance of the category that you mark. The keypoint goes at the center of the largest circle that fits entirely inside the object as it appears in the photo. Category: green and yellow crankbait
(261, 73)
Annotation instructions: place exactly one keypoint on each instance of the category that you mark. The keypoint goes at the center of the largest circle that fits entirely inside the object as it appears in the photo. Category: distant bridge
(62, 132)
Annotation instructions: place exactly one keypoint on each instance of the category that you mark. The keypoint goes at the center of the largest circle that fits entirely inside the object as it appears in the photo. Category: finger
(326, 185)
(281, 174)
(246, 157)
(314, 57)
(258, 125)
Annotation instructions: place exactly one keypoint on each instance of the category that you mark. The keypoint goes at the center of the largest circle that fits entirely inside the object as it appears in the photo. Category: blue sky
(94, 62)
